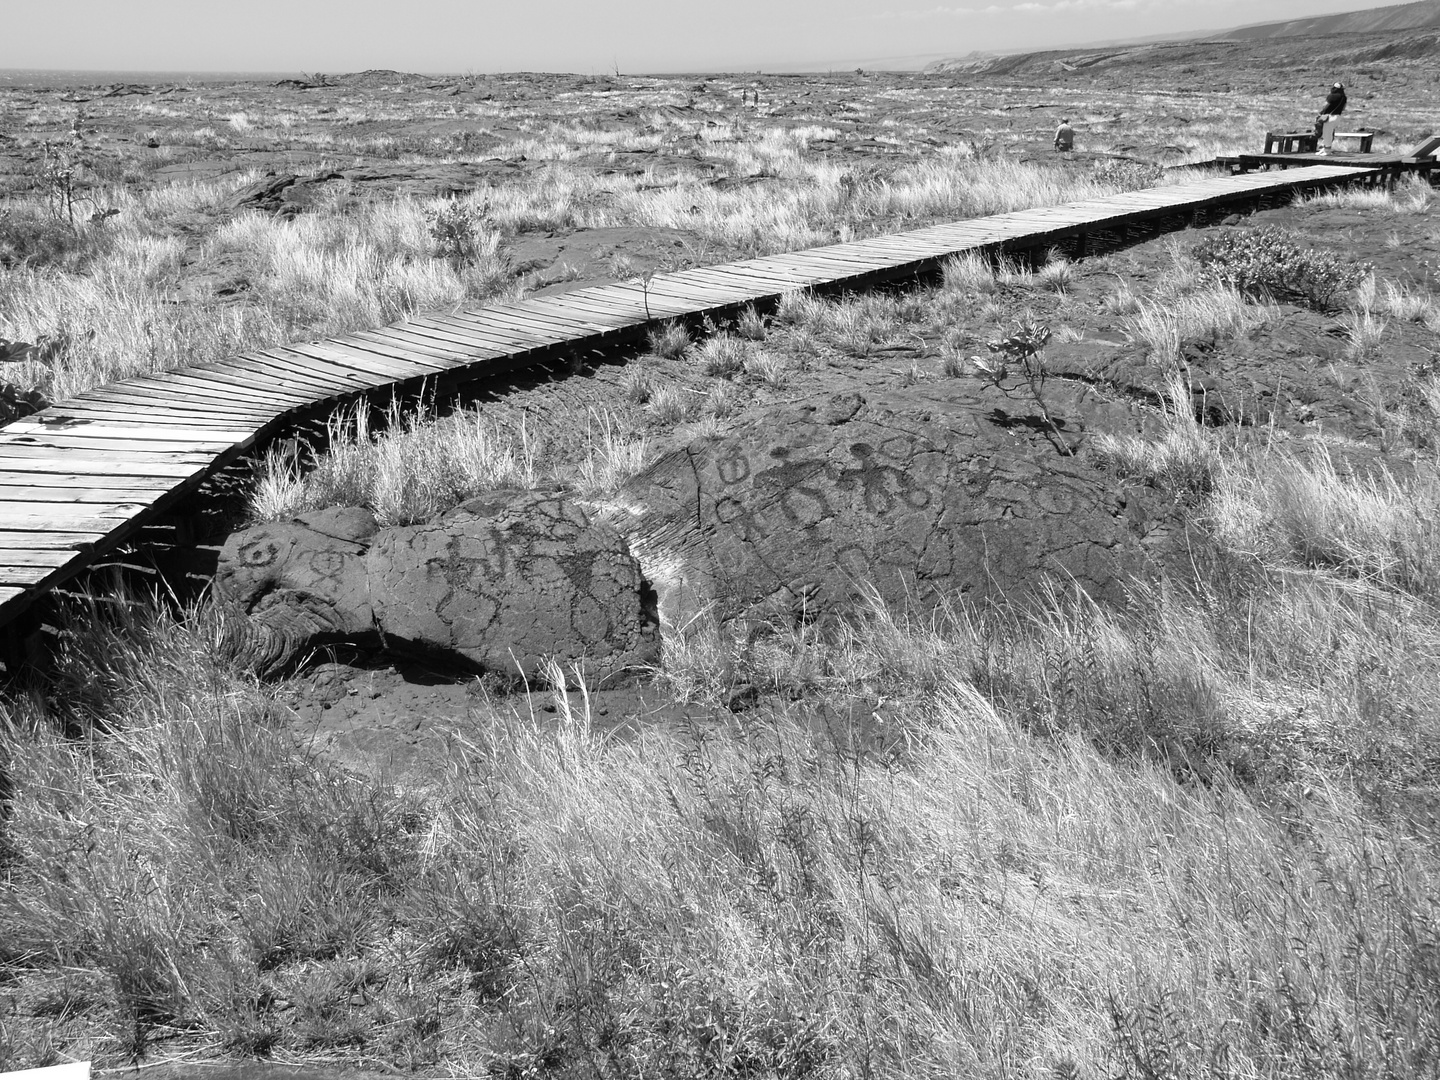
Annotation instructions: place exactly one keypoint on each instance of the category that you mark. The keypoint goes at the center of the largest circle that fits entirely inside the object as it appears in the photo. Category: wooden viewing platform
(1389, 167)
(80, 478)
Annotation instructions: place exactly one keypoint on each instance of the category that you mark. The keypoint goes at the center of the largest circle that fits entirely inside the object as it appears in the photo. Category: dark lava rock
(509, 579)
(499, 584)
(808, 512)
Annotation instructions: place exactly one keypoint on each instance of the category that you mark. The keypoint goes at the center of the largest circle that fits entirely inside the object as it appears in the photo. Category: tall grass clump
(1216, 314)
(1410, 196)
(1184, 458)
(418, 466)
(1366, 522)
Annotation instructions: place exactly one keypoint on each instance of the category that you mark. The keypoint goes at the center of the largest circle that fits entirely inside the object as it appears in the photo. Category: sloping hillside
(1258, 62)
(1423, 15)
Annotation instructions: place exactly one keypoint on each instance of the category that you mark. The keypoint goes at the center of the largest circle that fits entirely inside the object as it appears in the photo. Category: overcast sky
(584, 36)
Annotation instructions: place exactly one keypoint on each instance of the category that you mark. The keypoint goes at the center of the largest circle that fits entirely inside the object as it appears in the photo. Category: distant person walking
(1065, 136)
(1333, 107)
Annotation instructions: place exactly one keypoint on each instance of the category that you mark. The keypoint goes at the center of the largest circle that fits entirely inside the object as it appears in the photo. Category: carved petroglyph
(503, 582)
(801, 514)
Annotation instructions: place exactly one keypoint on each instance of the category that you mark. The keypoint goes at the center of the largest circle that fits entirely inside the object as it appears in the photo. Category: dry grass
(1410, 196)
(1184, 458)
(1216, 313)
(1299, 507)
(417, 467)
(322, 273)
(1066, 842)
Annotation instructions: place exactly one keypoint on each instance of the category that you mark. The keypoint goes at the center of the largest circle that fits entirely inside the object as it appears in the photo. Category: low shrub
(28, 236)
(1270, 261)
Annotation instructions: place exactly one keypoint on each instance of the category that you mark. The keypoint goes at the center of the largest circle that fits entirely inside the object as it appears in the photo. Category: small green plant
(61, 164)
(455, 229)
(1020, 353)
(645, 280)
(1269, 261)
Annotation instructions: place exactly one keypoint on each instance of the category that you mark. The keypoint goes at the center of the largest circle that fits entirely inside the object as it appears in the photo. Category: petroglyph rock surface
(802, 511)
(503, 581)
(801, 514)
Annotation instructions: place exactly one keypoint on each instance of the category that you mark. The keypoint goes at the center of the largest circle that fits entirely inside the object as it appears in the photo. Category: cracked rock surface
(501, 583)
(809, 511)
(802, 513)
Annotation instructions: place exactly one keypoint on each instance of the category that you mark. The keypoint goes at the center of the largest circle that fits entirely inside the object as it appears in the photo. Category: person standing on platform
(1065, 136)
(1325, 122)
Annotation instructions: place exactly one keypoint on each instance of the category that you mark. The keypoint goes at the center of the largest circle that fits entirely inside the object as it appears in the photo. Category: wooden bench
(1424, 149)
(1291, 142)
(1363, 139)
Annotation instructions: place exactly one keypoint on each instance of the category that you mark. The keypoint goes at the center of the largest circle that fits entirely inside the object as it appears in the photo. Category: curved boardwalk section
(81, 477)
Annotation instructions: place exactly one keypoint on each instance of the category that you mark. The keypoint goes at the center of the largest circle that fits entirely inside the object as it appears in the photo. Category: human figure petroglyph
(801, 514)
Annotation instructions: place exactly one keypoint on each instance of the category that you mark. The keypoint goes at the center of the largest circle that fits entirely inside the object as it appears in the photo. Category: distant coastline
(47, 78)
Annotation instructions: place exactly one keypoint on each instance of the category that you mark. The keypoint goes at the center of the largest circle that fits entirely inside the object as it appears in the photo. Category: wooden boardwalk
(83, 476)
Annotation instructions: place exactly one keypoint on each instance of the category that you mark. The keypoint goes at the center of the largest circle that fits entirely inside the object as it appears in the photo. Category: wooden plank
(66, 481)
(769, 279)
(604, 313)
(239, 377)
(405, 340)
(178, 388)
(575, 305)
(51, 557)
(154, 411)
(58, 540)
(181, 466)
(417, 362)
(222, 390)
(122, 394)
(503, 325)
(321, 380)
(74, 493)
(529, 333)
(792, 276)
(630, 298)
(668, 306)
(183, 405)
(851, 260)
(474, 332)
(834, 269)
(121, 427)
(354, 379)
(367, 358)
(66, 517)
(24, 576)
(690, 287)
(65, 441)
(477, 345)
(546, 328)
(523, 314)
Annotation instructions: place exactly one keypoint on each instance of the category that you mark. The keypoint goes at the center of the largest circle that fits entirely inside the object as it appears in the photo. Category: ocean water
(23, 77)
